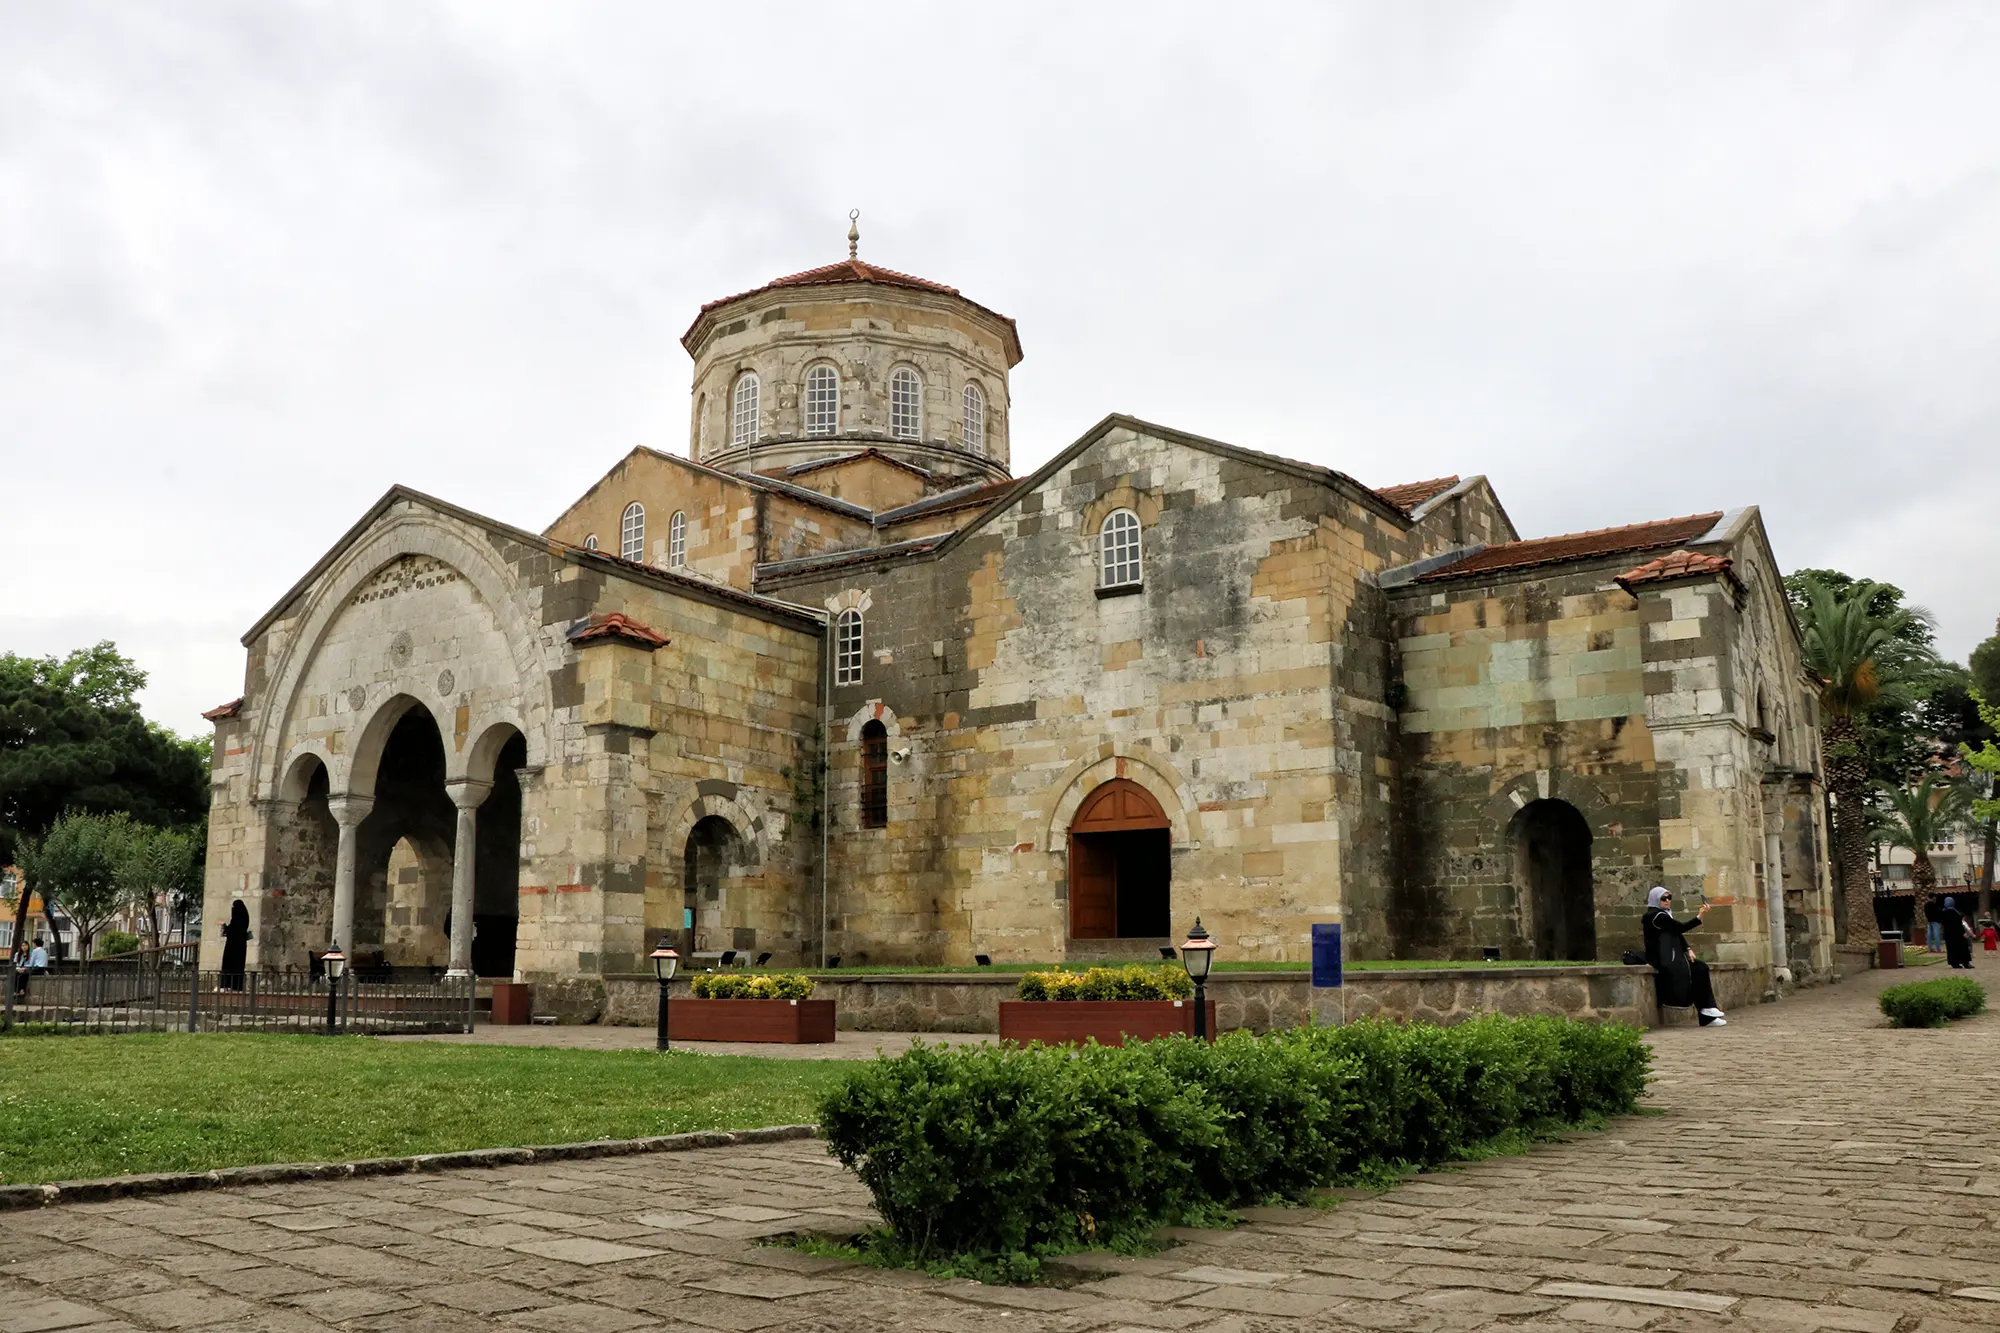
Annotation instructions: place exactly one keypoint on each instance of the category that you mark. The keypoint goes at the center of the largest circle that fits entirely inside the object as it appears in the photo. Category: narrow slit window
(906, 404)
(632, 532)
(822, 400)
(847, 648)
(975, 419)
(874, 775)
(701, 427)
(677, 539)
(748, 394)
(1119, 547)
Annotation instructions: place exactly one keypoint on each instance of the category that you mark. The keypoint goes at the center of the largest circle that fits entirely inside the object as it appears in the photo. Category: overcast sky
(260, 261)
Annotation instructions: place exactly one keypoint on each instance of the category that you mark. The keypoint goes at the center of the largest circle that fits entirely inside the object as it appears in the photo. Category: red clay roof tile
(231, 709)
(1676, 565)
(1413, 493)
(1579, 546)
(616, 627)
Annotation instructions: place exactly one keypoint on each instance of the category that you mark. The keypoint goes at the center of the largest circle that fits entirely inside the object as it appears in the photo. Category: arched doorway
(403, 897)
(496, 891)
(1552, 874)
(712, 855)
(298, 916)
(1120, 872)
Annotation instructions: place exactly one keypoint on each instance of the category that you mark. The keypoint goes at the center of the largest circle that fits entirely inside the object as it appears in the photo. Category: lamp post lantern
(666, 962)
(1196, 954)
(335, 963)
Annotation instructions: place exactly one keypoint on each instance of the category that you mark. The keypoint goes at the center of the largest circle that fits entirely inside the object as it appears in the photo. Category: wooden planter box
(1111, 1022)
(795, 1021)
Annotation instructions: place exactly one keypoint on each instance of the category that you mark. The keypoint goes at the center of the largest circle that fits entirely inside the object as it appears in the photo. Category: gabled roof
(1413, 493)
(1578, 546)
(686, 584)
(845, 272)
(616, 627)
(1677, 565)
(813, 564)
(754, 480)
(859, 455)
(962, 497)
(222, 712)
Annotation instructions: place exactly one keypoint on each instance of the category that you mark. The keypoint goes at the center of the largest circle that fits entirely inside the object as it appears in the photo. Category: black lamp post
(335, 963)
(666, 962)
(1196, 954)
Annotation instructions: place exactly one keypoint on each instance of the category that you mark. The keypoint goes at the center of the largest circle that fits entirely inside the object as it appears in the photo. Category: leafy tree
(1986, 667)
(1985, 764)
(75, 866)
(1865, 647)
(1915, 817)
(72, 738)
(156, 872)
(1921, 701)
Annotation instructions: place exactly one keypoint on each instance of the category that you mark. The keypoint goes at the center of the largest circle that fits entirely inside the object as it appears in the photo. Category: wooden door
(1093, 889)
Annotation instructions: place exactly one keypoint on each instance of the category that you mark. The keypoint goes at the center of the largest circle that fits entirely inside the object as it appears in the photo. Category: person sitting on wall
(1682, 978)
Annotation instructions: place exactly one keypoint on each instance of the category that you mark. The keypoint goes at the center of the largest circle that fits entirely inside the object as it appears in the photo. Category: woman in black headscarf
(235, 946)
(1957, 937)
(1681, 977)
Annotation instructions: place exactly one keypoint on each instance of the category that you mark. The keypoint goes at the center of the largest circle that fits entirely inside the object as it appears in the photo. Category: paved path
(1812, 1170)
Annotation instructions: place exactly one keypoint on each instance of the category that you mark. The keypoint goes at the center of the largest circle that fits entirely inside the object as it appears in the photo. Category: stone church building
(830, 681)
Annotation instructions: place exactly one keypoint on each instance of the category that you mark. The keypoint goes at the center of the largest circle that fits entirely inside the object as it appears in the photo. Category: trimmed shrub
(1932, 1004)
(992, 1153)
(115, 943)
(752, 986)
(1133, 982)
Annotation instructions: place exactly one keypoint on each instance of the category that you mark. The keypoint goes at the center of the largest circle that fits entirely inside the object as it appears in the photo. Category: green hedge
(115, 944)
(1932, 1004)
(751, 986)
(998, 1153)
(1133, 982)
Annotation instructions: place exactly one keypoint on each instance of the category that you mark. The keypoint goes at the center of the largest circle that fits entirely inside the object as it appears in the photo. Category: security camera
(901, 756)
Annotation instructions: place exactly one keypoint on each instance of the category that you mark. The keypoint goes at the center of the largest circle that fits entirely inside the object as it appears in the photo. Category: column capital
(467, 793)
(347, 809)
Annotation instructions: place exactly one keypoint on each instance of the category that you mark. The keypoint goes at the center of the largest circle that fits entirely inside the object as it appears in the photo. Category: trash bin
(513, 1002)
(1889, 953)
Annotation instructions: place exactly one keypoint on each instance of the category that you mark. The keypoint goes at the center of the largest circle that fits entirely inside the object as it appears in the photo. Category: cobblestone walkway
(1812, 1170)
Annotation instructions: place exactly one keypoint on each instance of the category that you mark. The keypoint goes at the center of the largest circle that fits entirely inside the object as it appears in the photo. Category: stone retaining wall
(1260, 1001)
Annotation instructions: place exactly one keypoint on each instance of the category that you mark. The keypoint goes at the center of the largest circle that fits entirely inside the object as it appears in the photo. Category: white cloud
(259, 261)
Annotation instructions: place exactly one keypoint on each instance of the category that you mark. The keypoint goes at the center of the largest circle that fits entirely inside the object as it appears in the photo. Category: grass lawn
(78, 1107)
(1221, 965)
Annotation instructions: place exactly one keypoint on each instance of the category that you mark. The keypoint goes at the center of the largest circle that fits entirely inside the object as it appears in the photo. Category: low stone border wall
(1259, 1001)
(277, 1173)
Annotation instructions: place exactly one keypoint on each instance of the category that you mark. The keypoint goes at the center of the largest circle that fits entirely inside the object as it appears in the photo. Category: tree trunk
(1923, 883)
(1847, 780)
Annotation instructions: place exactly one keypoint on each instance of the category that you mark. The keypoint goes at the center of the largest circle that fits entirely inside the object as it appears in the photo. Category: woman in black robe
(1957, 940)
(1682, 978)
(235, 946)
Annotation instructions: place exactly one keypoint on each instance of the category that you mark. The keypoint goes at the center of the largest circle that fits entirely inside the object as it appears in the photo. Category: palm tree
(1859, 652)
(1916, 817)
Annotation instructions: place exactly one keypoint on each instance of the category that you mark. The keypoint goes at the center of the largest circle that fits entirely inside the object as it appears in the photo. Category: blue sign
(1326, 954)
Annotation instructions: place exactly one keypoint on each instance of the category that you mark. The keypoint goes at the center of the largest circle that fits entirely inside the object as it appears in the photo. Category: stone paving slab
(1809, 1170)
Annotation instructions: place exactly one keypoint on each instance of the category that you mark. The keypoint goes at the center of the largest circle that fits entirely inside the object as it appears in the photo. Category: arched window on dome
(975, 419)
(632, 532)
(822, 400)
(744, 416)
(847, 648)
(590, 542)
(1118, 549)
(677, 539)
(906, 404)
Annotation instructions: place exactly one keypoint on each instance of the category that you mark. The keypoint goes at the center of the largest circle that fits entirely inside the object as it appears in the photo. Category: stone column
(467, 794)
(348, 811)
(1774, 888)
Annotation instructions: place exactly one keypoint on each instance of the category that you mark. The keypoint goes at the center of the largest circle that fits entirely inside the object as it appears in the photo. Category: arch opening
(1552, 875)
(402, 891)
(496, 883)
(1120, 865)
(303, 841)
(713, 856)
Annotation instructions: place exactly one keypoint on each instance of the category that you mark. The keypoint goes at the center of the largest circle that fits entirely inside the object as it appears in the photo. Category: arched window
(1119, 548)
(975, 419)
(632, 532)
(847, 648)
(906, 404)
(822, 400)
(701, 427)
(677, 539)
(744, 427)
(590, 542)
(874, 775)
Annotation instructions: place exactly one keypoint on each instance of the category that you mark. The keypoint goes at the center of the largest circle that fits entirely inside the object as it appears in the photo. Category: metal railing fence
(112, 998)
